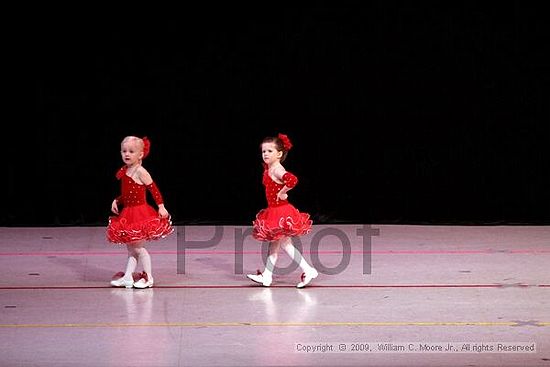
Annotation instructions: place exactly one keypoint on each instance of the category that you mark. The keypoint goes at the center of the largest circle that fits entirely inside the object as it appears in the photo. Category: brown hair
(278, 145)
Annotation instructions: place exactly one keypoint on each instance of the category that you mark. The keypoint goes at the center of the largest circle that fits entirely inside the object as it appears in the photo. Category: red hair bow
(146, 146)
(286, 141)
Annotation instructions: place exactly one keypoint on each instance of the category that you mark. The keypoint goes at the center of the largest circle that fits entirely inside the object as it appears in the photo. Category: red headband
(286, 141)
(146, 146)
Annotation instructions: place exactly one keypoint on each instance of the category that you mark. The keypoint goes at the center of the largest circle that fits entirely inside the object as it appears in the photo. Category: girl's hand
(163, 212)
(282, 195)
(114, 207)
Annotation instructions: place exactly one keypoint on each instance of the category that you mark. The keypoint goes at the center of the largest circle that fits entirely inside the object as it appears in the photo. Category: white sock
(270, 266)
(130, 268)
(296, 256)
(145, 260)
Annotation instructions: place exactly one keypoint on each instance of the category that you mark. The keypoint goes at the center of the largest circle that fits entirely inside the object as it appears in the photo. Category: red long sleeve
(153, 189)
(290, 180)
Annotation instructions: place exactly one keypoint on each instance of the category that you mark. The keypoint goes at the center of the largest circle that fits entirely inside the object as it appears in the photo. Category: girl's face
(270, 154)
(131, 152)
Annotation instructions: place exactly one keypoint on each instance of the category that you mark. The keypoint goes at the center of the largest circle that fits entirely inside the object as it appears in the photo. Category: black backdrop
(399, 114)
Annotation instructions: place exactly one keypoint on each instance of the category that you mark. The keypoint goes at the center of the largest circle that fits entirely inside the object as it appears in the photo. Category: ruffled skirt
(273, 223)
(137, 223)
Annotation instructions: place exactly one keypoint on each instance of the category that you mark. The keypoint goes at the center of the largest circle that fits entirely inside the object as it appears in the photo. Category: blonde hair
(134, 139)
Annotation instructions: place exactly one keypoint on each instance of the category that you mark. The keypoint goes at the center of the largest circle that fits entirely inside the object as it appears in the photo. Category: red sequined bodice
(132, 193)
(271, 190)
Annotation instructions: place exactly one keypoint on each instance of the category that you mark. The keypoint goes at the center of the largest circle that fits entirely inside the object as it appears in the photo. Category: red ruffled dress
(137, 221)
(280, 218)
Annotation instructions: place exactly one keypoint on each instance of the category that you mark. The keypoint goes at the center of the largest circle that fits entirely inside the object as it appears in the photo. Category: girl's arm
(147, 180)
(114, 206)
(289, 180)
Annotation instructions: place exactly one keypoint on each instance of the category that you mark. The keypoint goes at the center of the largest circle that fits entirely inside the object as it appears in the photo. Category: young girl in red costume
(280, 220)
(137, 222)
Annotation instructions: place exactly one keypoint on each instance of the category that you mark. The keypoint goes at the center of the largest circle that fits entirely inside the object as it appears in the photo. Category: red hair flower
(146, 146)
(286, 141)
